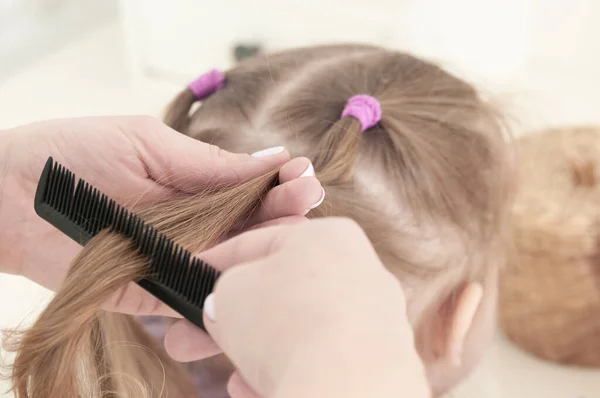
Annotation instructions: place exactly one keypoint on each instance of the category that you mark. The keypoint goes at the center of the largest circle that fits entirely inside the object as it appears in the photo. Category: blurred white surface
(538, 57)
(89, 77)
(168, 38)
(33, 28)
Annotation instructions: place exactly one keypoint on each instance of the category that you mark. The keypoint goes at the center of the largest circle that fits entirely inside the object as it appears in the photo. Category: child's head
(428, 184)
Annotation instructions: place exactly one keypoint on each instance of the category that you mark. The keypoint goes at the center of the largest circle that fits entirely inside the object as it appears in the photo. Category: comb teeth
(63, 180)
(174, 276)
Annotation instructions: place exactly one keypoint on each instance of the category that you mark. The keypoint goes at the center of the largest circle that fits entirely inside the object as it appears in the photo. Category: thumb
(186, 164)
(234, 318)
(249, 246)
(185, 342)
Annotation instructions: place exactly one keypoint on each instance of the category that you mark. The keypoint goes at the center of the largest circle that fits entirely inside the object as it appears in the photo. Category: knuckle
(216, 152)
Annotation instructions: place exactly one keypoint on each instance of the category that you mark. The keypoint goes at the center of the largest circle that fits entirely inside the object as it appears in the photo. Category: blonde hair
(427, 184)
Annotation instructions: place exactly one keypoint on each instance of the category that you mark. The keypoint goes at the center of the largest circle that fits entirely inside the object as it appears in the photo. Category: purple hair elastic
(206, 84)
(365, 108)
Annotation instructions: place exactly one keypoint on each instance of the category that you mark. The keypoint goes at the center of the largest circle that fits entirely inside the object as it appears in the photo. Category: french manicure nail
(268, 152)
(309, 172)
(318, 203)
(209, 306)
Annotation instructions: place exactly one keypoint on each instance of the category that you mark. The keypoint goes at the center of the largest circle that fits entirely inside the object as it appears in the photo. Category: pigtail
(177, 115)
(361, 113)
(337, 166)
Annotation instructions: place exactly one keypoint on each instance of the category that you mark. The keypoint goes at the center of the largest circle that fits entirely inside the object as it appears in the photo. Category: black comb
(174, 276)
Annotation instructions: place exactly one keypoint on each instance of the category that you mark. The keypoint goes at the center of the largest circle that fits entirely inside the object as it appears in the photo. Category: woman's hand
(133, 160)
(306, 310)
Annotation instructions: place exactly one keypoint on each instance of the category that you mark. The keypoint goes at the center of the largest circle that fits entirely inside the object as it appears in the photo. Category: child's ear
(446, 331)
(465, 308)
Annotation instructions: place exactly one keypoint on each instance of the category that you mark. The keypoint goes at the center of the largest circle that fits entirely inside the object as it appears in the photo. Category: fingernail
(320, 200)
(209, 306)
(309, 172)
(318, 203)
(268, 152)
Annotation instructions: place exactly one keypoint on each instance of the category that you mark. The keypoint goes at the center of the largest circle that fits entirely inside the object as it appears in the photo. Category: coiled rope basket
(550, 290)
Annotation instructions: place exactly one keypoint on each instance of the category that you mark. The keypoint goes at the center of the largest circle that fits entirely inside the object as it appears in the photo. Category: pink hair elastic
(365, 108)
(206, 84)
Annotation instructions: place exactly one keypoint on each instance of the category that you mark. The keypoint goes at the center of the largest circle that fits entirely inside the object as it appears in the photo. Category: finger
(134, 300)
(292, 197)
(214, 166)
(245, 247)
(186, 164)
(185, 342)
(290, 220)
(296, 197)
(296, 168)
(238, 388)
(227, 315)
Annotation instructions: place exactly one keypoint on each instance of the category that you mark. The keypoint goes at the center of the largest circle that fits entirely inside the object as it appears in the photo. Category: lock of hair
(81, 211)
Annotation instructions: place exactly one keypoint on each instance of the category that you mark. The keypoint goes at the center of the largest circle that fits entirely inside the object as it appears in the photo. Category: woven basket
(550, 289)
